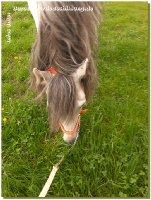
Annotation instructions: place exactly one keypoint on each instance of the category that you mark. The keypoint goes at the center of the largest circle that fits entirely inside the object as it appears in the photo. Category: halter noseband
(77, 126)
(75, 130)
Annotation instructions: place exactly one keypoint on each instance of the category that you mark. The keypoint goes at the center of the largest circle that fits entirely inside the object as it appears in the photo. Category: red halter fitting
(52, 70)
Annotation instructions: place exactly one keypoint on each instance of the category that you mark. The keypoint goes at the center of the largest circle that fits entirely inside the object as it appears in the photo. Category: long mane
(64, 40)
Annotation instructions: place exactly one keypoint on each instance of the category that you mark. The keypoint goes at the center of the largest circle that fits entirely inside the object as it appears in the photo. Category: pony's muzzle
(70, 138)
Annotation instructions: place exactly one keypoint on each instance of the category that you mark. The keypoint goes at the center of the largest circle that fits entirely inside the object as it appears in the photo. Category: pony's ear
(81, 71)
(41, 76)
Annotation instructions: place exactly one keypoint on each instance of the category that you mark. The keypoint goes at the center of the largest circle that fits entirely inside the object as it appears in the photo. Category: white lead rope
(47, 185)
(55, 168)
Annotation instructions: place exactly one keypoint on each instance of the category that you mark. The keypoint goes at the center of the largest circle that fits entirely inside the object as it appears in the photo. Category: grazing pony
(62, 60)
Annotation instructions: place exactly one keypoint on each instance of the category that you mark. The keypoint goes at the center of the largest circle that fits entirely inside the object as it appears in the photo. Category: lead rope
(55, 168)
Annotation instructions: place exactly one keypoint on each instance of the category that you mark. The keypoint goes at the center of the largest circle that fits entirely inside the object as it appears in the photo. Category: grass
(111, 156)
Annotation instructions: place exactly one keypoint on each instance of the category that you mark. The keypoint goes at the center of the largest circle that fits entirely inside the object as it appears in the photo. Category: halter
(77, 126)
(75, 130)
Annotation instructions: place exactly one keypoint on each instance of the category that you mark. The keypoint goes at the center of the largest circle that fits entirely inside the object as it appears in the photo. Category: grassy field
(111, 156)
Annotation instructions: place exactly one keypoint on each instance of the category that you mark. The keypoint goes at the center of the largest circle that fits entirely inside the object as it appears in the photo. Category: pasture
(110, 158)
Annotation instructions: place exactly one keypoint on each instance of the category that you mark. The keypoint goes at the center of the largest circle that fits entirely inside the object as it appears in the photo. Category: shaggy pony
(64, 40)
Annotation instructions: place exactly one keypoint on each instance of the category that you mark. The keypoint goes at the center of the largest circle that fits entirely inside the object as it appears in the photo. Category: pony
(62, 60)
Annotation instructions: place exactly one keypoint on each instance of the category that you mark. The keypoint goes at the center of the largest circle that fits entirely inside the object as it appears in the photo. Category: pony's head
(65, 41)
(65, 98)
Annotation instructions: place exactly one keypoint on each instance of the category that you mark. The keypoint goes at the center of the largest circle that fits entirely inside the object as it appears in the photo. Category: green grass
(110, 158)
